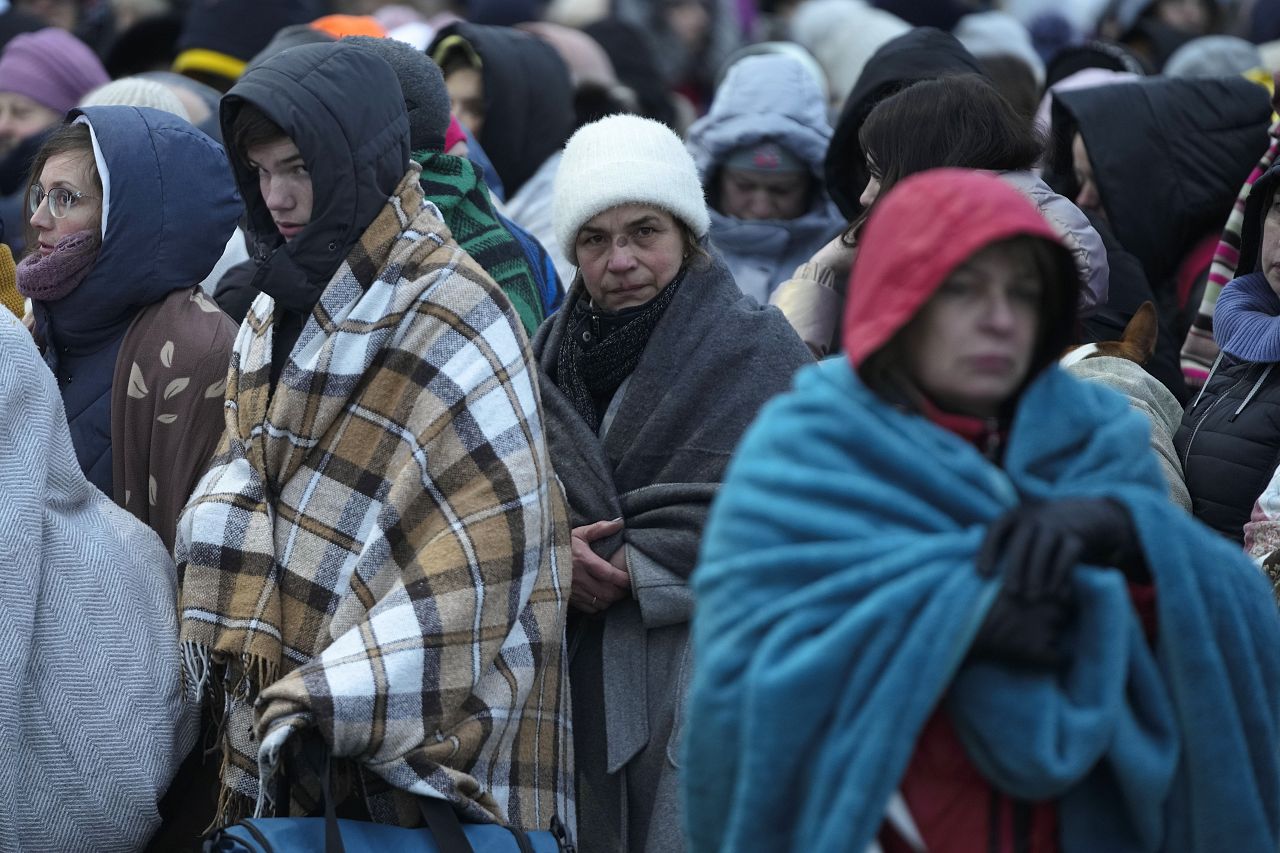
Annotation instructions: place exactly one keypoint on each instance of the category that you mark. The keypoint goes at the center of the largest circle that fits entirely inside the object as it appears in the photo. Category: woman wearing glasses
(130, 209)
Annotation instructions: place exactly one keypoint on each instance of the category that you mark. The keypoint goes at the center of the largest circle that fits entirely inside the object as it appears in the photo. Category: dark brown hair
(67, 139)
(959, 122)
(251, 128)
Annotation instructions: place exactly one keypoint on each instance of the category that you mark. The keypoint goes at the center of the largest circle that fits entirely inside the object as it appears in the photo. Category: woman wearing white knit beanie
(650, 373)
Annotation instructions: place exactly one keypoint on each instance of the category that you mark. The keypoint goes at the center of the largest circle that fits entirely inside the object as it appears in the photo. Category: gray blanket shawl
(714, 359)
(92, 719)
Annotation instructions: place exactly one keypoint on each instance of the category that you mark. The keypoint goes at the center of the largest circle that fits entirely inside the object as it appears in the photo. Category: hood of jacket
(772, 97)
(763, 253)
(1077, 234)
(950, 214)
(528, 98)
(922, 54)
(1169, 172)
(170, 206)
(1255, 213)
(356, 150)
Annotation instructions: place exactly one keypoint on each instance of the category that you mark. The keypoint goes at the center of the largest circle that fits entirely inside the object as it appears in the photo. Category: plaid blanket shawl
(379, 550)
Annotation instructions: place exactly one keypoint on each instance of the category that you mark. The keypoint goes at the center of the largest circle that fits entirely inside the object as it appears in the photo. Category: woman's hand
(598, 583)
(836, 256)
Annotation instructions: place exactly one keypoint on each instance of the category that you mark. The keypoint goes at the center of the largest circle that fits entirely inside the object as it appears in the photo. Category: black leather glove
(1037, 547)
(1101, 528)
(1034, 604)
(1022, 632)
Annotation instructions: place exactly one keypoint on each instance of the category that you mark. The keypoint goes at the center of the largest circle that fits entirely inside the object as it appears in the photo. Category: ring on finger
(593, 601)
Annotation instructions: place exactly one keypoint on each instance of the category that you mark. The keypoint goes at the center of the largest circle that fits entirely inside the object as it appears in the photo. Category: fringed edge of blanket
(243, 677)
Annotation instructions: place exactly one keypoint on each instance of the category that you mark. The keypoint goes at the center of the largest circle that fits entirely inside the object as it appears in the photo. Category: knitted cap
(625, 159)
(51, 67)
(1213, 56)
(421, 83)
(766, 156)
(136, 92)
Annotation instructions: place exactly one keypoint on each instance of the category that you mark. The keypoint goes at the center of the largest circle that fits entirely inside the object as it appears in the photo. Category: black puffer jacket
(355, 149)
(1229, 440)
(1229, 443)
(1168, 157)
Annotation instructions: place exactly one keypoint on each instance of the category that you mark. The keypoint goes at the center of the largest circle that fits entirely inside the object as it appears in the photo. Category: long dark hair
(958, 121)
(67, 139)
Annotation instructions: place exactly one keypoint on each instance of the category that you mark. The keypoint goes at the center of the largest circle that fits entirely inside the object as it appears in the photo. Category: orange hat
(341, 26)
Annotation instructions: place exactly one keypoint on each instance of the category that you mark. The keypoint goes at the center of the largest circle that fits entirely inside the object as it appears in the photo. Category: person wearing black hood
(921, 54)
(519, 98)
(382, 499)
(1154, 29)
(1162, 182)
(812, 297)
(1228, 442)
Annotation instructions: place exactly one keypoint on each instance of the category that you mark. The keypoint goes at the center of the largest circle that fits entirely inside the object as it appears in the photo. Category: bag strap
(332, 833)
(445, 827)
(439, 815)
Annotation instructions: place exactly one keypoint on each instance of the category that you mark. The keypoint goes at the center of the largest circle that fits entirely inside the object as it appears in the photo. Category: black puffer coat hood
(1255, 212)
(1168, 155)
(528, 98)
(342, 107)
(921, 54)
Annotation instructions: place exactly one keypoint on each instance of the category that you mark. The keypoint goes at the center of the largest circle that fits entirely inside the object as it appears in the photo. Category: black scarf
(601, 349)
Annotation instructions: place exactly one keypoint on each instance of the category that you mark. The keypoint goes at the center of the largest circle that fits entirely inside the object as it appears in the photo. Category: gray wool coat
(713, 360)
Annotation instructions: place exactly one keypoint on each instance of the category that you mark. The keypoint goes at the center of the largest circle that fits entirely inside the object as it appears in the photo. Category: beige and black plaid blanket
(379, 551)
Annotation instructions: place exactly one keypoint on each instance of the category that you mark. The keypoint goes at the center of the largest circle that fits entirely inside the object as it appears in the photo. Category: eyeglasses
(61, 200)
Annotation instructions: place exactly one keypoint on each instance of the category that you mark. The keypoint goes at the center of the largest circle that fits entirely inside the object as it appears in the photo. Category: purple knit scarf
(50, 277)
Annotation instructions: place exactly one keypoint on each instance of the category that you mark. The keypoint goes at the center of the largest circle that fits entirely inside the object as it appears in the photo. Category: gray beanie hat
(136, 92)
(425, 95)
(1213, 56)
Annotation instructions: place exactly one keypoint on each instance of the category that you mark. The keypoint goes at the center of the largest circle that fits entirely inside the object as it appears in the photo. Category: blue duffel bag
(297, 834)
(444, 833)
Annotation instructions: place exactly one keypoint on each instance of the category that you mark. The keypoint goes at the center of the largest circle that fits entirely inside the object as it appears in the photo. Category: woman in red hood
(904, 639)
(962, 295)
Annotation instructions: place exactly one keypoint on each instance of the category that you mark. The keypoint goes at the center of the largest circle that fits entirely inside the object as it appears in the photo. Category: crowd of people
(676, 425)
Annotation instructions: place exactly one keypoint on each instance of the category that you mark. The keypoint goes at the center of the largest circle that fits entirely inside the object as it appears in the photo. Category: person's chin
(1273, 278)
(631, 297)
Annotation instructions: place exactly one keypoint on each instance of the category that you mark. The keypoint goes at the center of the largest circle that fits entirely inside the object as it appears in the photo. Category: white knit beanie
(136, 92)
(625, 159)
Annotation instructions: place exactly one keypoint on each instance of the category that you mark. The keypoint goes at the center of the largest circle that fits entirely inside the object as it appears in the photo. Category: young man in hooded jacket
(376, 562)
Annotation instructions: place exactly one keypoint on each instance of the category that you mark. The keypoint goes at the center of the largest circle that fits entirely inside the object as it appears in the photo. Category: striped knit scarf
(1200, 349)
(454, 186)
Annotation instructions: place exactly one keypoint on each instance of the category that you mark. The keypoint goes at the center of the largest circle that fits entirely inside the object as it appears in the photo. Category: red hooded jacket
(918, 234)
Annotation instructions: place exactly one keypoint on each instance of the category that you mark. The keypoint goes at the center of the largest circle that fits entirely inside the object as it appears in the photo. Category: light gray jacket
(1073, 228)
(771, 97)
